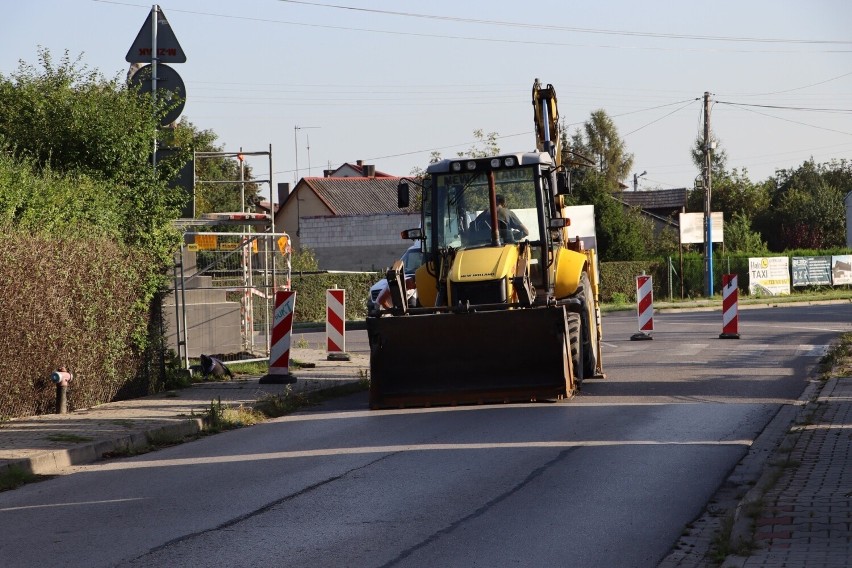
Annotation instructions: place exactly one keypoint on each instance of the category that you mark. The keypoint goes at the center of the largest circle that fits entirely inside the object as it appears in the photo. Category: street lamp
(636, 180)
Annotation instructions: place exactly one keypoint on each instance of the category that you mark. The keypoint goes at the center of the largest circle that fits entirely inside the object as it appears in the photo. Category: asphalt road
(609, 478)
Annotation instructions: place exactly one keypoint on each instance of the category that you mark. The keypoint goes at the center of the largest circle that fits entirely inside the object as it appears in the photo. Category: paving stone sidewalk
(50, 443)
(806, 514)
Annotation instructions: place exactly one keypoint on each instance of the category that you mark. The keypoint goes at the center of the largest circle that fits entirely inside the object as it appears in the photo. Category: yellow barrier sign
(206, 242)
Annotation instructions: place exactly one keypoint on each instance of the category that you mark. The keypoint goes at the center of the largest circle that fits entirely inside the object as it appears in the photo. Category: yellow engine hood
(487, 263)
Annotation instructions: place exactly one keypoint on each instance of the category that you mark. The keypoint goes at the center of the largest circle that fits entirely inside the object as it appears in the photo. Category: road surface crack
(481, 510)
(269, 506)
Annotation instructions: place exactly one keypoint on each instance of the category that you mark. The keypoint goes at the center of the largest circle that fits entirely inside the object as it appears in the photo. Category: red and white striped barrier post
(644, 307)
(335, 324)
(730, 296)
(279, 352)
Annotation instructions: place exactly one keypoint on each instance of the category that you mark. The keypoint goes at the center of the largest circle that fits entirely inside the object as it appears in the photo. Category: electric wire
(549, 44)
(743, 107)
(796, 88)
(782, 107)
(569, 28)
(662, 117)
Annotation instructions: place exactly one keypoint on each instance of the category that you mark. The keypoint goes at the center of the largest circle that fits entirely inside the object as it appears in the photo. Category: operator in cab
(511, 228)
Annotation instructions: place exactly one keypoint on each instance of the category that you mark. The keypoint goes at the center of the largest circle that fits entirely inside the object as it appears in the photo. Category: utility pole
(708, 222)
(636, 179)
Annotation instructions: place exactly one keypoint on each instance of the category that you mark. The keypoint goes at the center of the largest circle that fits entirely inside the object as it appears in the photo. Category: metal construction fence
(224, 292)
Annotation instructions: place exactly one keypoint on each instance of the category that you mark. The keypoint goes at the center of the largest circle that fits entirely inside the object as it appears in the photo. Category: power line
(569, 28)
(662, 117)
(792, 121)
(527, 133)
(549, 44)
(401, 154)
(781, 107)
(798, 88)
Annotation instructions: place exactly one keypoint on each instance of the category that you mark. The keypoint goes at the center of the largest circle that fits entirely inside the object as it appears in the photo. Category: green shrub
(310, 294)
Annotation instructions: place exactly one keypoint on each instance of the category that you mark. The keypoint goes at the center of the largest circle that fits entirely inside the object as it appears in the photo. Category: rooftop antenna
(296, 130)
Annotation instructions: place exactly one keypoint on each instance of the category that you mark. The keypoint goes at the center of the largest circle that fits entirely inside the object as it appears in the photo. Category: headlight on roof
(495, 163)
(509, 162)
(456, 166)
(471, 165)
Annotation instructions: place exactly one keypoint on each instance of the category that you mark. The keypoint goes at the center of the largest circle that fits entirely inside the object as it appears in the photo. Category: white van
(412, 258)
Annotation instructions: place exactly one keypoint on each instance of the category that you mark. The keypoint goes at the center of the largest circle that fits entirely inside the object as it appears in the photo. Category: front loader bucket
(481, 357)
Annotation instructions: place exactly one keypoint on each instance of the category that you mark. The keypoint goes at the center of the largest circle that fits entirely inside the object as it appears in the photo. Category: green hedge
(73, 302)
(310, 293)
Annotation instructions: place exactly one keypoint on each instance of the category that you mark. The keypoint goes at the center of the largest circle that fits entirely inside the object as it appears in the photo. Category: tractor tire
(576, 342)
(590, 328)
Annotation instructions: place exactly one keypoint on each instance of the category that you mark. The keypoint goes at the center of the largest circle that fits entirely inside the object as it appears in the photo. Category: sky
(389, 82)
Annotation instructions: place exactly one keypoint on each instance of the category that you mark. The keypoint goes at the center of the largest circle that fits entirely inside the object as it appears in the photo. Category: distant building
(662, 206)
(349, 222)
(662, 202)
(358, 169)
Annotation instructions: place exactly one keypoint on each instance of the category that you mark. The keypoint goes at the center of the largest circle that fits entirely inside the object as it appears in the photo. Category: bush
(72, 302)
(310, 294)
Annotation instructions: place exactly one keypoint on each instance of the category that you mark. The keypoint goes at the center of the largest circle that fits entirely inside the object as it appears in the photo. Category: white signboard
(692, 227)
(583, 224)
(769, 276)
(841, 269)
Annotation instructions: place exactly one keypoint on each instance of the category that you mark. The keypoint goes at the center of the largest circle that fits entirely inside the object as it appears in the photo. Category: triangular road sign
(168, 48)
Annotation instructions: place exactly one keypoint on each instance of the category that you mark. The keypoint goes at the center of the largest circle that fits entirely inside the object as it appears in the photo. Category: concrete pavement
(50, 443)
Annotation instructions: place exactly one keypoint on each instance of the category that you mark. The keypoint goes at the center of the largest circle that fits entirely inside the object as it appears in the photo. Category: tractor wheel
(590, 328)
(575, 340)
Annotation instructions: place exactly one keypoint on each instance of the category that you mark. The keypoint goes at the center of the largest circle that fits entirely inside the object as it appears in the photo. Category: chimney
(283, 192)
(369, 171)
(359, 163)
(327, 173)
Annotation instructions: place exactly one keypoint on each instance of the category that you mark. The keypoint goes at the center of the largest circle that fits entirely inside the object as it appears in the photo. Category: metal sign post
(155, 43)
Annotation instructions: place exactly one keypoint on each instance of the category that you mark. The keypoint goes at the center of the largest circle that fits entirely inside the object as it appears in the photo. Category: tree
(806, 207)
(733, 193)
(622, 233)
(600, 141)
(484, 146)
(739, 236)
(66, 120)
(210, 197)
(68, 117)
(718, 157)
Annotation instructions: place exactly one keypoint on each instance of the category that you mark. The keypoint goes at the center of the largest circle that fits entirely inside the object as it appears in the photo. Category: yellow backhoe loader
(507, 297)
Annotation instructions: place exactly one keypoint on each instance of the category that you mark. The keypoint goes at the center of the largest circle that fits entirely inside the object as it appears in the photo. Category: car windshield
(463, 198)
(412, 259)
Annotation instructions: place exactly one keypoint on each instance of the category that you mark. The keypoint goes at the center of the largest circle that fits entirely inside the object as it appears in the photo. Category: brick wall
(363, 242)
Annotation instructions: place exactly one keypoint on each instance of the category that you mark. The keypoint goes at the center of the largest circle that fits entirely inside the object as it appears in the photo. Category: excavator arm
(547, 135)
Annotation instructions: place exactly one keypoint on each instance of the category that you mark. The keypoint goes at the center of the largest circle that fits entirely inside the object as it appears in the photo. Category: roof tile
(359, 195)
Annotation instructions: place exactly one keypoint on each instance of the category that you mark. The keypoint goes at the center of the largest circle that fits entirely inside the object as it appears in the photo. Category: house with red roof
(350, 222)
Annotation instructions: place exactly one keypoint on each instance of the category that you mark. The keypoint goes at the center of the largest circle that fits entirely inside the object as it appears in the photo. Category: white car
(412, 258)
